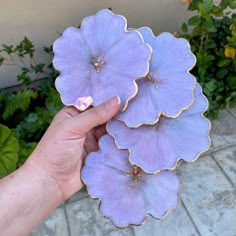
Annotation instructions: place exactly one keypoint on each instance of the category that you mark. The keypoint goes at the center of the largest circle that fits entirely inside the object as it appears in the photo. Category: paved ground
(208, 198)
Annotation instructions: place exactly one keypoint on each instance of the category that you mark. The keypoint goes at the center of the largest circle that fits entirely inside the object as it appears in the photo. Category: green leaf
(232, 44)
(222, 73)
(204, 9)
(193, 5)
(194, 21)
(35, 124)
(209, 58)
(9, 148)
(5, 132)
(25, 70)
(202, 71)
(24, 78)
(211, 86)
(186, 36)
(184, 27)
(231, 82)
(224, 62)
(217, 11)
(233, 17)
(8, 48)
(207, 5)
(210, 44)
(197, 32)
(25, 47)
(19, 101)
(231, 100)
(219, 98)
(209, 26)
(38, 68)
(225, 4)
(48, 50)
(232, 5)
(53, 102)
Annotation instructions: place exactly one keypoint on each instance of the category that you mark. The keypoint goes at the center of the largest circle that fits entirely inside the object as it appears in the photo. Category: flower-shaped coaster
(100, 60)
(159, 146)
(168, 87)
(127, 194)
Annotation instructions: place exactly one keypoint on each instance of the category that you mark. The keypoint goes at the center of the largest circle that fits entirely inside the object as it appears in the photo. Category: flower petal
(124, 200)
(168, 89)
(100, 60)
(158, 147)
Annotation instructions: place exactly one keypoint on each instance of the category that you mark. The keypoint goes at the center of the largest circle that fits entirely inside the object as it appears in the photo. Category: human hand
(70, 137)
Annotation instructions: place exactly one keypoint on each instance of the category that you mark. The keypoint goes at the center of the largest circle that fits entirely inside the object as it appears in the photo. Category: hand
(70, 137)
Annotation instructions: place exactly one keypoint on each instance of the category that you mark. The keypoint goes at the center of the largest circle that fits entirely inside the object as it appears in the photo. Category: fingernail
(113, 102)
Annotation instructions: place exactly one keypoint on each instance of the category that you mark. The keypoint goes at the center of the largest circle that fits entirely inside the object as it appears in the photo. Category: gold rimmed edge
(188, 72)
(126, 31)
(147, 214)
(177, 159)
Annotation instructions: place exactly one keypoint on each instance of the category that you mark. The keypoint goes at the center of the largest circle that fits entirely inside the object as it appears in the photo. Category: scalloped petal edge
(178, 159)
(147, 214)
(134, 81)
(188, 72)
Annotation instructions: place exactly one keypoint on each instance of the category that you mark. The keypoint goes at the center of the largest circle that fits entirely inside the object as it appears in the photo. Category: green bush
(27, 112)
(212, 36)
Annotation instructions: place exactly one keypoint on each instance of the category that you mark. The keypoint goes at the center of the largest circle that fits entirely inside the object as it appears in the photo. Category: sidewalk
(208, 198)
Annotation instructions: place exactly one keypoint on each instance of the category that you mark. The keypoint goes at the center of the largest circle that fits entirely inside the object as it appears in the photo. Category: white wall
(41, 20)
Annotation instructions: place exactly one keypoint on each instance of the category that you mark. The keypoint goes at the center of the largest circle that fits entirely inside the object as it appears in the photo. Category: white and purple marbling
(100, 60)
(157, 147)
(127, 198)
(168, 88)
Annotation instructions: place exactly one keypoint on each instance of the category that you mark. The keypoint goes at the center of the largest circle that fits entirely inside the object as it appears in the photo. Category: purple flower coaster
(168, 88)
(127, 193)
(160, 146)
(100, 60)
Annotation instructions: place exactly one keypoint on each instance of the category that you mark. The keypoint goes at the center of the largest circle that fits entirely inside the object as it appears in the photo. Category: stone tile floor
(207, 206)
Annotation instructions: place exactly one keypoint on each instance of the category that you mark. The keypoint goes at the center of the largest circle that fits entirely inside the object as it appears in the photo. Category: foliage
(20, 101)
(9, 148)
(212, 36)
(29, 111)
(28, 114)
(23, 55)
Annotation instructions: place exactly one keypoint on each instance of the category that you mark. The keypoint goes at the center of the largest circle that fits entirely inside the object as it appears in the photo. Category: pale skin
(52, 173)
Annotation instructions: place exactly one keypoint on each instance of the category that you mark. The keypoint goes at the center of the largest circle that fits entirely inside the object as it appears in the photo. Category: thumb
(98, 115)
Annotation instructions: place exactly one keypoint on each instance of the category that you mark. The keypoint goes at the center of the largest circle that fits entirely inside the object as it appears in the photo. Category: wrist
(30, 195)
(40, 174)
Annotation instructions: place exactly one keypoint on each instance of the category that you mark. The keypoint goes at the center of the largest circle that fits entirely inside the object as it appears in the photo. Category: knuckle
(97, 113)
(100, 112)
